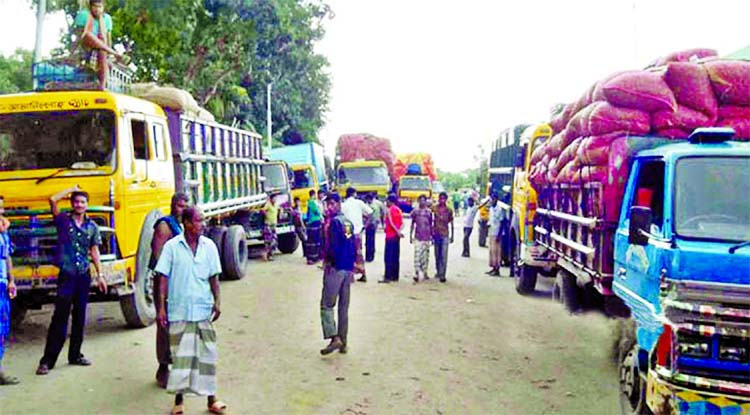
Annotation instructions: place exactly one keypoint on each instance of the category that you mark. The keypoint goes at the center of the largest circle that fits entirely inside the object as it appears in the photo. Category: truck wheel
(566, 291)
(234, 254)
(515, 255)
(138, 307)
(526, 279)
(632, 385)
(288, 243)
(217, 234)
(17, 313)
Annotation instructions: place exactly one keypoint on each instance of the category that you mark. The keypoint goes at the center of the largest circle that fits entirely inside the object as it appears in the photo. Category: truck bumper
(662, 394)
(44, 277)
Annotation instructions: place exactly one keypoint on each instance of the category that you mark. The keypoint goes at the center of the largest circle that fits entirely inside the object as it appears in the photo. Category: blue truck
(671, 256)
(307, 162)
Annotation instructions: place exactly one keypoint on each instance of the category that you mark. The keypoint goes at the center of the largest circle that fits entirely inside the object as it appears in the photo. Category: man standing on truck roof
(357, 212)
(95, 34)
(314, 222)
(7, 291)
(421, 228)
(337, 277)
(189, 267)
(77, 238)
(442, 235)
(165, 228)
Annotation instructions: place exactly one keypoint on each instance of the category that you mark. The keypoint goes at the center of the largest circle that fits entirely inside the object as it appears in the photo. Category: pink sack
(566, 173)
(684, 118)
(673, 132)
(691, 87)
(554, 168)
(598, 92)
(604, 118)
(733, 111)
(686, 56)
(730, 81)
(593, 174)
(556, 144)
(569, 153)
(641, 90)
(741, 127)
(538, 153)
(594, 150)
(579, 124)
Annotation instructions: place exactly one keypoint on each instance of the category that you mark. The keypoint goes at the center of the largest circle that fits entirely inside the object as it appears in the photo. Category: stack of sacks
(423, 160)
(351, 147)
(731, 84)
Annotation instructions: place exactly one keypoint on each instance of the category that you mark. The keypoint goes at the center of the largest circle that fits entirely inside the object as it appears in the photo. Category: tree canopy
(15, 72)
(226, 52)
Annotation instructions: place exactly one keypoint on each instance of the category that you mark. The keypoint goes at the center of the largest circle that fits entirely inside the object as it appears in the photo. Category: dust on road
(471, 346)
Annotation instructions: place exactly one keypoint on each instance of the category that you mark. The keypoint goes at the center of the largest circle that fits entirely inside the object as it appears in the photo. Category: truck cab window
(139, 136)
(650, 190)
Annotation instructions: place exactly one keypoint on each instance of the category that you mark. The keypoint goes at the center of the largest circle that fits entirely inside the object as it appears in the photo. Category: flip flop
(178, 410)
(217, 407)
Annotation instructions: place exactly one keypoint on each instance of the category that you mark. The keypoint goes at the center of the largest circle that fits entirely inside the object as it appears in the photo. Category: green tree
(15, 72)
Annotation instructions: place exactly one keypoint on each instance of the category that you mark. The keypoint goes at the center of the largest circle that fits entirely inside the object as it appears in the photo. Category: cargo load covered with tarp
(414, 164)
(353, 147)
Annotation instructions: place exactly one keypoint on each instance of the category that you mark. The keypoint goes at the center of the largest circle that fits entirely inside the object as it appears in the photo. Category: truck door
(140, 195)
(637, 267)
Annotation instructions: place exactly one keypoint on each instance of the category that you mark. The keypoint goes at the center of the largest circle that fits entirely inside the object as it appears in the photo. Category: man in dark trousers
(165, 228)
(77, 238)
(340, 255)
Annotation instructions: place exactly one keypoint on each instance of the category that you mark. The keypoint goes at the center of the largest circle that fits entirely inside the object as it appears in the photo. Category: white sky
(446, 76)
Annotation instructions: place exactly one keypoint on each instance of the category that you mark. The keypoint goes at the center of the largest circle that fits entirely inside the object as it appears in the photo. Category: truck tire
(515, 256)
(566, 291)
(234, 253)
(526, 279)
(138, 307)
(632, 385)
(288, 243)
(217, 234)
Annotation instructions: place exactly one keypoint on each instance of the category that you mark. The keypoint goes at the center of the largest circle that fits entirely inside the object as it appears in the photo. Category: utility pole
(41, 10)
(268, 116)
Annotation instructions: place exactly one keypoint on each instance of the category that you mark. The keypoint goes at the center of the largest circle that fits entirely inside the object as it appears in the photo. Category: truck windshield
(55, 140)
(711, 198)
(437, 187)
(275, 177)
(414, 183)
(302, 179)
(372, 175)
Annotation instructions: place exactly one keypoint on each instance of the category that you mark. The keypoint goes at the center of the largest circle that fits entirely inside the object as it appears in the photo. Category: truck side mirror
(640, 225)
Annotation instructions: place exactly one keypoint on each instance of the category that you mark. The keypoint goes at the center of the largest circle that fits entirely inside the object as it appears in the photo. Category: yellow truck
(131, 155)
(307, 162)
(366, 176)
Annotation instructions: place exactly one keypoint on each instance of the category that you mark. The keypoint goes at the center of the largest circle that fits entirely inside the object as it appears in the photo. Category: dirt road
(471, 346)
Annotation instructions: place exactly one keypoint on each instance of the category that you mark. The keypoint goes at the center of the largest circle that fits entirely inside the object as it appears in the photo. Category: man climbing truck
(131, 155)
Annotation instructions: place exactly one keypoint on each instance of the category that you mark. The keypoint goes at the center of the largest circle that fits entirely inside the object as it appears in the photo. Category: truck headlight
(693, 346)
(734, 349)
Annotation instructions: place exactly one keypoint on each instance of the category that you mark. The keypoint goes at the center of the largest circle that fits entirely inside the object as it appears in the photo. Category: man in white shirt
(357, 211)
(471, 213)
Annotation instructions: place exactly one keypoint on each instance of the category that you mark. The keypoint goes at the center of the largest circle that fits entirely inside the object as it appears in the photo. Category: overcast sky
(447, 76)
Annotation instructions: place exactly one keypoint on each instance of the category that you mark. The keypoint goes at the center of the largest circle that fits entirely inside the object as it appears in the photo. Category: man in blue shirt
(165, 228)
(340, 255)
(77, 238)
(189, 269)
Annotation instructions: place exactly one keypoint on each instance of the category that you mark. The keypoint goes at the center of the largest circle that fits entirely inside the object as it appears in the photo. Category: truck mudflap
(665, 398)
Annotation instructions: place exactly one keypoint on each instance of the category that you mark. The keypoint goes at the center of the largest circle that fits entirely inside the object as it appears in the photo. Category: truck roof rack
(711, 135)
(69, 74)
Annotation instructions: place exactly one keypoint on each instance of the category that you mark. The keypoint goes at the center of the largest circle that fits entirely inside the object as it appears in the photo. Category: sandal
(8, 380)
(217, 407)
(178, 409)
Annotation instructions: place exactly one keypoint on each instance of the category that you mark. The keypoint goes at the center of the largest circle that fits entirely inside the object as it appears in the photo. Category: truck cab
(682, 266)
(366, 176)
(305, 179)
(410, 187)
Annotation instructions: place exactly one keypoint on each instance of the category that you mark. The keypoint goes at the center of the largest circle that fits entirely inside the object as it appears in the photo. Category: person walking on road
(314, 223)
(165, 228)
(271, 219)
(357, 212)
(189, 269)
(77, 238)
(421, 229)
(496, 217)
(471, 213)
(394, 223)
(7, 291)
(456, 198)
(442, 235)
(337, 277)
(375, 220)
